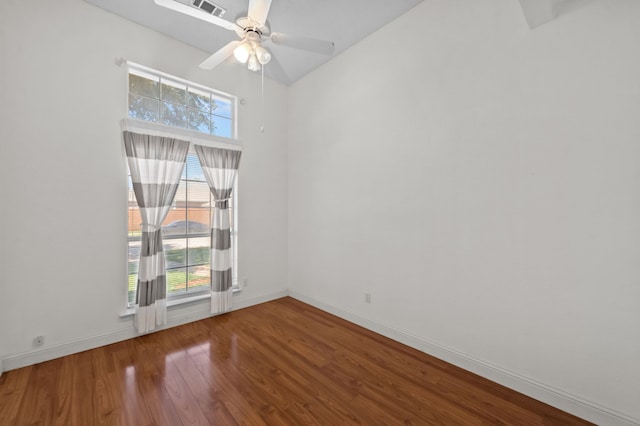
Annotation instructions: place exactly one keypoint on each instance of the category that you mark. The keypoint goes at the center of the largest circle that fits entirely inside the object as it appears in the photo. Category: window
(174, 102)
(158, 97)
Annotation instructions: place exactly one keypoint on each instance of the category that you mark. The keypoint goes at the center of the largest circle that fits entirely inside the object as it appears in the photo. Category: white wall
(482, 182)
(63, 227)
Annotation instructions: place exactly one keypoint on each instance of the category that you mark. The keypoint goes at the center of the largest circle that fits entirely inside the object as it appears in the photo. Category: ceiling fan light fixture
(242, 52)
(263, 55)
(254, 65)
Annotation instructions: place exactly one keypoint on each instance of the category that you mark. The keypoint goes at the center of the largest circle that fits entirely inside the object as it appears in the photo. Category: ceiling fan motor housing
(246, 24)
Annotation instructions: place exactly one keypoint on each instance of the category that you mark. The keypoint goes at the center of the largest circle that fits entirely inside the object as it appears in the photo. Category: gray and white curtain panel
(156, 164)
(220, 167)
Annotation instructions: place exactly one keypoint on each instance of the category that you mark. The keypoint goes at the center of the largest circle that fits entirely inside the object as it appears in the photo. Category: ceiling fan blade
(258, 10)
(305, 43)
(220, 56)
(190, 11)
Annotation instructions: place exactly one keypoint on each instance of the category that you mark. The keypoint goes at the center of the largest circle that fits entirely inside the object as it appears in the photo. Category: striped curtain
(220, 167)
(156, 164)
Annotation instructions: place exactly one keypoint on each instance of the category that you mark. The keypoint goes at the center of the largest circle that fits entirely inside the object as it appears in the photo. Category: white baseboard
(174, 318)
(555, 397)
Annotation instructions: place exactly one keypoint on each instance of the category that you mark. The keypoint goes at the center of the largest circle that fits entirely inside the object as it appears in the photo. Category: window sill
(129, 312)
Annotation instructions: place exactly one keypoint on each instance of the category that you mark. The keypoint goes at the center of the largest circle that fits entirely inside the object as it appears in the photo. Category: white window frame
(133, 68)
(197, 137)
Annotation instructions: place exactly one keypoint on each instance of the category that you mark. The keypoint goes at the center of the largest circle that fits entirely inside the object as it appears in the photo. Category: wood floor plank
(12, 389)
(133, 403)
(205, 393)
(150, 366)
(241, 408)
(64, 391)
(107, 395)
(278, 363)
(323, 390)
(183, 399)
(39, 407)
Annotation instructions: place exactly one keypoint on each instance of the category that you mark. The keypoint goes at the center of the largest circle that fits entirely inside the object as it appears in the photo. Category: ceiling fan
(253, 32)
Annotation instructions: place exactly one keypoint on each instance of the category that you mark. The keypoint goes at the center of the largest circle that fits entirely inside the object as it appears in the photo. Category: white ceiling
(539, 12)
(345, 22)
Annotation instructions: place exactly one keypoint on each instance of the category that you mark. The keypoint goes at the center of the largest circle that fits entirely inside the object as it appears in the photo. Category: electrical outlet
(367, 297)
(38, 341)
(245, 282)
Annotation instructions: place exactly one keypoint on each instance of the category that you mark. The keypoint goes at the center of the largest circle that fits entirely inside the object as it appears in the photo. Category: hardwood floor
(279, 363)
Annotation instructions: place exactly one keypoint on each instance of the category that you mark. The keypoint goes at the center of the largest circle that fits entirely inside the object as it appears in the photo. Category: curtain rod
(156, 129)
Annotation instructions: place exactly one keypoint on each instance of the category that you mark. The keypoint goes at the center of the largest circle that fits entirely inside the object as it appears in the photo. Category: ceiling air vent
(209, 7)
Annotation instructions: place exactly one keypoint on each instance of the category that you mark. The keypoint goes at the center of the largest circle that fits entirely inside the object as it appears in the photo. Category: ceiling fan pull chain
(262, 101)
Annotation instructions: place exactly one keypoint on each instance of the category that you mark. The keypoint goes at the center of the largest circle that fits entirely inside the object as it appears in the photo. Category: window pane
(199, 251)
(202, 217)
(176, 281)
(134, 227)
(231, 216)
(174, 225)
(221, 126)
(143, 108)
(148, 90)
(200, 100)
(133, 256)
(195, 227)
(146, 86)
(132, 266)
(199, 278)
(198, 194)
(173, 115)
(193, 170)
(131, 289)
(198, 120)
(175, 252)
(173, 92)
(178, 209)
(222, 108)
